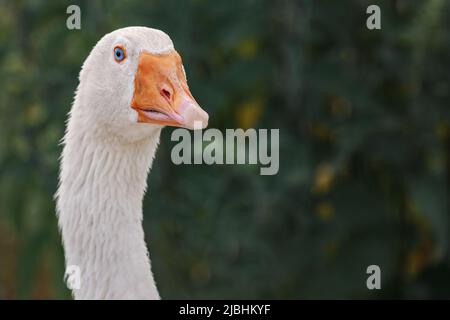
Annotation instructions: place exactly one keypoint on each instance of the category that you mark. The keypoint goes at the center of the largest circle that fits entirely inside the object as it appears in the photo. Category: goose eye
(119, 54)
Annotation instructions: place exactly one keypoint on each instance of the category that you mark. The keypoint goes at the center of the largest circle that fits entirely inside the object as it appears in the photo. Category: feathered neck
(99, 205)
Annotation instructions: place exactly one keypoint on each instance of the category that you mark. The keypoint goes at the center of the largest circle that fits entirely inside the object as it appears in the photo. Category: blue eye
(119, 54)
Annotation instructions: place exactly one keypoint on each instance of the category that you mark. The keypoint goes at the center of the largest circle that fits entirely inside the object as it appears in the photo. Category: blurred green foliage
(364, 147)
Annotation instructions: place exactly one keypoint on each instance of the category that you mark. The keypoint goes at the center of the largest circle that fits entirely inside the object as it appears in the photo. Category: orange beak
(161, 94)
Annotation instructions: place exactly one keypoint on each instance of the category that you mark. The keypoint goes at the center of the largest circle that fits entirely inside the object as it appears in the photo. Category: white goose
(131, 85)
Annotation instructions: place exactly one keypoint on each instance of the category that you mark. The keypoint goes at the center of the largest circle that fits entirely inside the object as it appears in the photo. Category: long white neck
(99, 205)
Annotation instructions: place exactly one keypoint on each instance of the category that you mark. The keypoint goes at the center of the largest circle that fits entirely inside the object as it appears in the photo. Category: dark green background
(364, 147)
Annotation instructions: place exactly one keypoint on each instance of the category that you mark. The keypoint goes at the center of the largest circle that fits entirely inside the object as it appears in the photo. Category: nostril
(166, 93)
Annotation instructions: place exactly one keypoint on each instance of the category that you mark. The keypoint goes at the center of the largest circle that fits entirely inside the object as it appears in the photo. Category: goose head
(134, 83)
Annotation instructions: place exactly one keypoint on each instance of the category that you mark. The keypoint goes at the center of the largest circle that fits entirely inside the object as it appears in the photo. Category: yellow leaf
(249, 113)
(322, 132)
(247, 48)
(442, 130)
(325, 211)
(419, 258)
(35, 114)
(331, 249)
(201, 272)
(323, 179)
(340, 106)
